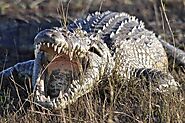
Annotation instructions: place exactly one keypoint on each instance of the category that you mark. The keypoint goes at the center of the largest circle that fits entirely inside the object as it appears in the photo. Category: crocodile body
(70, 61)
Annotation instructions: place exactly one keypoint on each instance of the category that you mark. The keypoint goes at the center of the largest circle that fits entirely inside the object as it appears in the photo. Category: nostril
(45, 35)
(53, 35)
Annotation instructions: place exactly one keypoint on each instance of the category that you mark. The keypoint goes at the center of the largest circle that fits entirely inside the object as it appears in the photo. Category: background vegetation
(118, 101)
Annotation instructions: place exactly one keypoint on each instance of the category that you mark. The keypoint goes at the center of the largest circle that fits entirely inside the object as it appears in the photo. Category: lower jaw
(58, 101)
(62, 98)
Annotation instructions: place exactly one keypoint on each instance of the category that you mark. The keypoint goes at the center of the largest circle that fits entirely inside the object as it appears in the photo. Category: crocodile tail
(163, 81)
(177, 54)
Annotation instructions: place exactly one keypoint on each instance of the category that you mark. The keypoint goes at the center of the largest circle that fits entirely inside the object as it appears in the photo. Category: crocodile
(70, 61)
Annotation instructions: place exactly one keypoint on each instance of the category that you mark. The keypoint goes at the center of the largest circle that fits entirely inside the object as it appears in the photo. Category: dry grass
(118, 101)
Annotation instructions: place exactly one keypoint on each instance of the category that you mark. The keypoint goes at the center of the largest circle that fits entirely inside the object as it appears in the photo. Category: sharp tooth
(53, 45)
(38, 46)
(66, 52)
(112, 35)
(76, 83)
(49, 99)
(37, 98)
(66, 97)
(63, 50)
(71, 55)
(60, 94)
(42, 99)
(81, 55)
(78, 53)
(99, 31)
(55, 48)
(71, 92)
(66, 45)
(62, 45)
(37, 93)
(57, 101)
(104, 27)
(74, 47)
(41, 83)
(71, 85)
(48, 44)
(59, 49)
(54, 103)
(74, 87)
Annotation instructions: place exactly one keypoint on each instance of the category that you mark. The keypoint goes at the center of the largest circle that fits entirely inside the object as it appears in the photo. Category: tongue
(61, 72)
(63, 63)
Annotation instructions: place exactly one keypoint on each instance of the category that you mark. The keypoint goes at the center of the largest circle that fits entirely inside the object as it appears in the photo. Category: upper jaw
(57, 46)
(54, 36)
(50, 40)
(58, 40)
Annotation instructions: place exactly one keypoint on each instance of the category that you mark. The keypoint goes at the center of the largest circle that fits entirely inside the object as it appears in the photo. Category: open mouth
(61, 69)
(66, 67)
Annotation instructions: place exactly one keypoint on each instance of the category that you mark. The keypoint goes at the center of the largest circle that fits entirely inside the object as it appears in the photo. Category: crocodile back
(127, 39)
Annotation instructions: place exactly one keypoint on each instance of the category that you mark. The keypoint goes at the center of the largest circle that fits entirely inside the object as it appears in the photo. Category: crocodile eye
(94, 50)
(88, 41)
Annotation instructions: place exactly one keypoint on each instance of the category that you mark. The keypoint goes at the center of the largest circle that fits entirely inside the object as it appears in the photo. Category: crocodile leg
(22, 69)
(16, 78)
(163, 81)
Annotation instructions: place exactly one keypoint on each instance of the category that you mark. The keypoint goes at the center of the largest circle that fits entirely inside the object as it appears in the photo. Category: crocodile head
(67, 66)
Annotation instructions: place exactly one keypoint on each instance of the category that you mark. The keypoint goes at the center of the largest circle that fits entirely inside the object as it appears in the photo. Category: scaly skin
(81, 61)
(70, 62)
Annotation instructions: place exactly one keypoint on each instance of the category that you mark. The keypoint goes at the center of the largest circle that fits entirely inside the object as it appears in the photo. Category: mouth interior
(60, 71)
